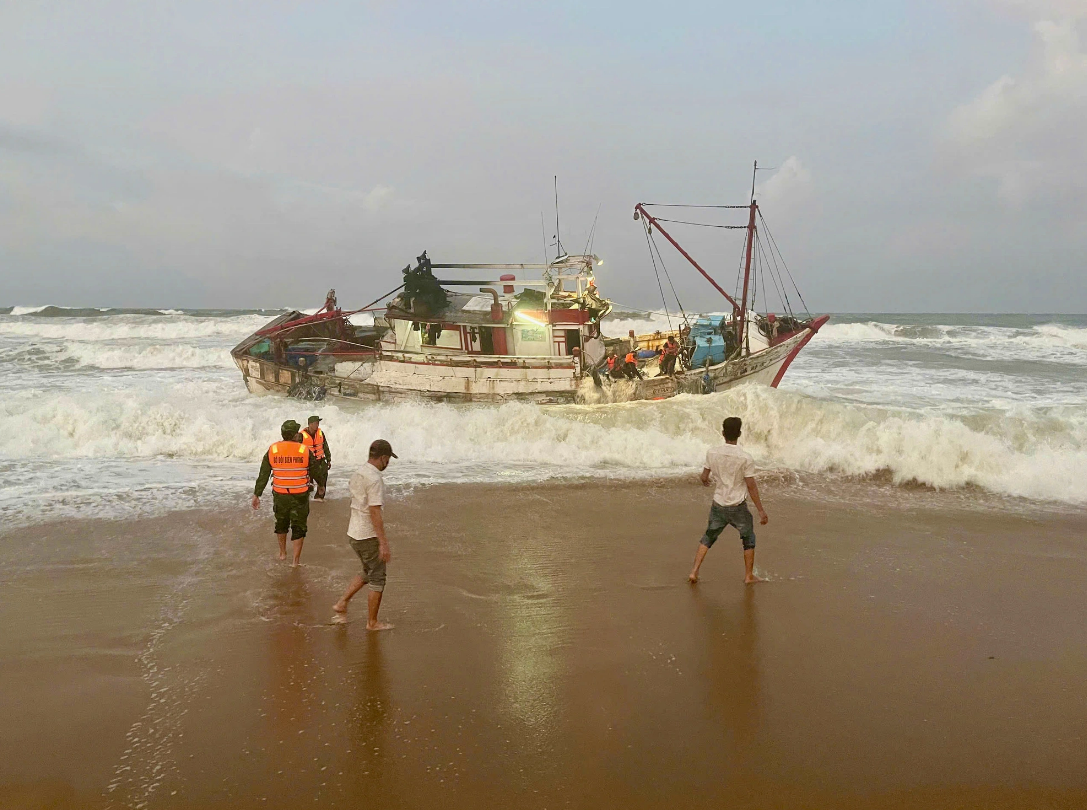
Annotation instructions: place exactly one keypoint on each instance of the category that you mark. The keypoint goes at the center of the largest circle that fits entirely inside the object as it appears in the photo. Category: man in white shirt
(366, 532)
(734, 471)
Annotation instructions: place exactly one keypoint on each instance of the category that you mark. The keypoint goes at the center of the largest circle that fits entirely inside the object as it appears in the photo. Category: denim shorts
(722, 516)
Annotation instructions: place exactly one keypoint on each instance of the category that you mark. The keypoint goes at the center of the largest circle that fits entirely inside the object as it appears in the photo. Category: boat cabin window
(573, 340)
(261, 348)
(486, 340)
(429, 333)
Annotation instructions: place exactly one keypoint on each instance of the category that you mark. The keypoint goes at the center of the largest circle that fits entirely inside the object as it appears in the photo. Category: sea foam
(1037, 453)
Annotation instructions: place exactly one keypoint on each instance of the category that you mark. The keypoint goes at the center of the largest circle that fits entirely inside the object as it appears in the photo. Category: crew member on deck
(290, 465)
(317, 443)
(668, 358)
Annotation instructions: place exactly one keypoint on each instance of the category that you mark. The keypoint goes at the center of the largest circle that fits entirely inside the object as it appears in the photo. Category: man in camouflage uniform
(291, 507)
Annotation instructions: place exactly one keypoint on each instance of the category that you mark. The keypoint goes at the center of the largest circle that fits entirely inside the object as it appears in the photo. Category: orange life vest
(316, 444)
(290, 467)
(631, 358)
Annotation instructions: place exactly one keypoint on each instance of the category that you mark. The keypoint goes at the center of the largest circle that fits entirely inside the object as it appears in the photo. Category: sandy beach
(911, 649)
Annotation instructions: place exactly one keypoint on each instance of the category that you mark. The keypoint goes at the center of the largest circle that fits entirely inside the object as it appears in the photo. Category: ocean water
(123, 412)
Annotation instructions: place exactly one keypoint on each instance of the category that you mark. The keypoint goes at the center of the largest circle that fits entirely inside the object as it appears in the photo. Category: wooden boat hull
(760, 368)
(407, 379)
(393, 379)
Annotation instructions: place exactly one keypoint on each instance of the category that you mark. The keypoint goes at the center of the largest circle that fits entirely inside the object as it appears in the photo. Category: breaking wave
(110, 356)
(1050, 334)
(122, 327)
(1030, 452)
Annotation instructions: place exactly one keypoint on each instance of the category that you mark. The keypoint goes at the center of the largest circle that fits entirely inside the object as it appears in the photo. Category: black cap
(380, 447)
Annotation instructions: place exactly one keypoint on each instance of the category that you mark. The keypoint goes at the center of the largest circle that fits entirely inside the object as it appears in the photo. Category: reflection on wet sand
(730, 675)
(531, 625)
(292, 664)
(539, 666)
(370, 715)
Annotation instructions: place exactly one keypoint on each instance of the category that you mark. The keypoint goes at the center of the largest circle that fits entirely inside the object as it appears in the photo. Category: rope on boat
(682, 205)
(656, 272)
(668, 276)
(786, 265)
(704, 224)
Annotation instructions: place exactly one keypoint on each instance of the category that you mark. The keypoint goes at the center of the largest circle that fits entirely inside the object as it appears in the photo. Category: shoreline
(912, 649)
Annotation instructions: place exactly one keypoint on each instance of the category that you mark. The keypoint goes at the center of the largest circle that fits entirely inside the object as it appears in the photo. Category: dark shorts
(321, 476)
(291, 512)
(373, 567)
(722, 516)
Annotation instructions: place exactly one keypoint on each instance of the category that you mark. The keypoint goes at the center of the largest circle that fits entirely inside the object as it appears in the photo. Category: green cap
(313, 419)
(290, 426)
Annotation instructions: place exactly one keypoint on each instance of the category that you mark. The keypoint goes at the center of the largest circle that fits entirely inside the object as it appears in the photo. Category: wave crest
(1036, 453)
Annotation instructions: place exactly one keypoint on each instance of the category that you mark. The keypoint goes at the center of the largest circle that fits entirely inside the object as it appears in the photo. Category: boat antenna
(543, 236)
(754, 172)
(558, 234)
(592, 232)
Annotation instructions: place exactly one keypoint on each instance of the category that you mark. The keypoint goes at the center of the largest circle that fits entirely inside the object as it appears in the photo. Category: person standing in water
(290, 465)
(734, 471)
(366, 532)
(315, 439)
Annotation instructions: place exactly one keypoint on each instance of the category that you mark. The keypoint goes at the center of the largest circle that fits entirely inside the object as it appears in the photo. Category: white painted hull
(761, 368)
(398, 379)
(409, 377)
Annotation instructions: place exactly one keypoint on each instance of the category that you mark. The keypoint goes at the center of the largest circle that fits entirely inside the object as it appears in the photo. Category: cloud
(1046, 9)
(1026, 132)
(788, 186)
(15, 138)
(378, 197)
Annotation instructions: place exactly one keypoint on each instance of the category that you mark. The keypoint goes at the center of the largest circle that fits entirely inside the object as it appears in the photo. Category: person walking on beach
(734, 471)
(366, 532)
(290, 465)
(315, 439)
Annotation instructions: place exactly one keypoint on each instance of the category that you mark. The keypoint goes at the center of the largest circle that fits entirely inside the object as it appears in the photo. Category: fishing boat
(527, 332)
(506, 338)
(722, 351)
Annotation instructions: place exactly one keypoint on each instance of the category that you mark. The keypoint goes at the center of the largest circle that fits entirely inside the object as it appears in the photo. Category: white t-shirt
(367, 489)
(730, 466)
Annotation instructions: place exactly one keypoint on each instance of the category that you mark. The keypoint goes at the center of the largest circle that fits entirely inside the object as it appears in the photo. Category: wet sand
(912, 650)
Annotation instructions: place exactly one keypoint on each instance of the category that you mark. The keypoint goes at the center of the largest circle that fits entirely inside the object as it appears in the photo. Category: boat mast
(639, 211)
(741, 337)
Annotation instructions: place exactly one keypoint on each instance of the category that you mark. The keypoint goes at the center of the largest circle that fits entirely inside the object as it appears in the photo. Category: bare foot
(283, 555)
(340, 607)
(693, 578)
(752, 580)
(379, 626)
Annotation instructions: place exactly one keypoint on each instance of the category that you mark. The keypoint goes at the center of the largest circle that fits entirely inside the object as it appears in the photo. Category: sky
(921, 156)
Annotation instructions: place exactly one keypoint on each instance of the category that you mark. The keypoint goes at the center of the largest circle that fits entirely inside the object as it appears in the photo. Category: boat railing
(479, 360)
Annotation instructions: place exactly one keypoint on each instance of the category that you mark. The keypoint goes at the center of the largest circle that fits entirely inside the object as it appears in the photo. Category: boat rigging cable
(592, 233)
(668, 276)
(657, 273)
(785, 264)
(704, 224)
(766, 257)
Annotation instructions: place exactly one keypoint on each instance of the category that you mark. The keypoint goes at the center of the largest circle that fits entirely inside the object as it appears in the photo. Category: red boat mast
(740, 307)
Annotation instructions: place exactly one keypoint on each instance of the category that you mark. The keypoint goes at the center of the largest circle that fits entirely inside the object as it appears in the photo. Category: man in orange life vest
(314, 438)
(289, 464)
